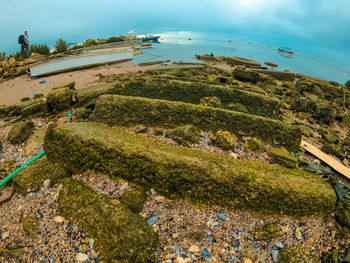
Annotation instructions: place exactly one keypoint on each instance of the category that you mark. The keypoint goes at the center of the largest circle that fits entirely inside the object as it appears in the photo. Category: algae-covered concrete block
(126, 111)
(60, 99)
(283, 157)
(32, 177)
(20, 132)
(36, 109)
(199, 176)
(120, 235)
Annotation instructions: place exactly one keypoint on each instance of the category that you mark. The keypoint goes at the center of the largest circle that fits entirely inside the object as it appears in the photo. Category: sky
(301, 24)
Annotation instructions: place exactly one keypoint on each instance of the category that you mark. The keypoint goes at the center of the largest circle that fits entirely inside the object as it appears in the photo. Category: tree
(2, 56)
(61, 46)
(40, 49)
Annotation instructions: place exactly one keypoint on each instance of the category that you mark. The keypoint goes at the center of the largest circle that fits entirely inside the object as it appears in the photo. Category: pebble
(47, 183)
(180, 260)
(194, 249)
(58, 219)
(176, 235)
(205, 253)
(275, 255)
(94, 254)
(247, 260)
(152, 220)
(82, 257)
(279, 244)
(298, 234)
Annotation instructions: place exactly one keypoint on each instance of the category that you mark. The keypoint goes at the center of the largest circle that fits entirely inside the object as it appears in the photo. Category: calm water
(182, 46)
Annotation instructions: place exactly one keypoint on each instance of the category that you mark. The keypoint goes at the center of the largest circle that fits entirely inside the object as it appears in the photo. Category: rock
(175, 235)
(246, 76)
(279, 244)
(30, 225)
(267, 231)
(134, 199)
(47, 183)
(225, 140)
(152, 220)
(5, 235)
(82, 257)
(59, 99)
(274, 254)
(211, 102)
(234, 155)
(283, 157)
(141, 129)
(254, 145)
(158, 131)
(37, 109)
(298, 234)
(20, 132)
(194, 249)
(11, 62)
(94, 254)
(35, 141)
(6, 195)
(180, 260)
(70, 85)
(58, 219)
(185, 134)
(247, 260)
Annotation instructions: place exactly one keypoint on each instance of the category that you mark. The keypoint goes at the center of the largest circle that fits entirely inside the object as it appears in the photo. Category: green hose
(8, 178)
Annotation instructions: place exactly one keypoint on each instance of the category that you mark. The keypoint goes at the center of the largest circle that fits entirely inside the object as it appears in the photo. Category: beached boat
(286, 50)
(151, 38)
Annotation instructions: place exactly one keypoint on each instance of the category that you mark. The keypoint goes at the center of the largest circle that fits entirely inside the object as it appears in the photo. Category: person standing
(24, 41)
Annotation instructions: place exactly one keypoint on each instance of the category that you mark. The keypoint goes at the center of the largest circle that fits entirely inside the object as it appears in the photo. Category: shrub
(2, 56)
(61, 45)
(115, 39)
(41, 49)
(90, 42)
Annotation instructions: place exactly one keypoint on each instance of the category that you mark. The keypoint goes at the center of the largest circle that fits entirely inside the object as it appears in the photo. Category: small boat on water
(151, 38)
(286, 50)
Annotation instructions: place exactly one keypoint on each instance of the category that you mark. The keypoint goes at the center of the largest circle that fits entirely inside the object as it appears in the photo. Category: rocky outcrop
(20, 132)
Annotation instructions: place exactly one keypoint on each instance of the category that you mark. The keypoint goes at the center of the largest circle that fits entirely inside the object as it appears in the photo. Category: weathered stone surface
(280, 75)
(60, 99)
(20, 132)
(119, 234)
(225, 140)
(246, 75)
(184, 134)
(283, 157)
(134, 199)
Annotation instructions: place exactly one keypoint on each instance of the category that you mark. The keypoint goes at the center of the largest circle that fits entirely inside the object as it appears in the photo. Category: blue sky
(308, 23)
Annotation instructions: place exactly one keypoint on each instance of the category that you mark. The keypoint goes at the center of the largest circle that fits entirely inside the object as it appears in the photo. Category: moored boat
(151, 38)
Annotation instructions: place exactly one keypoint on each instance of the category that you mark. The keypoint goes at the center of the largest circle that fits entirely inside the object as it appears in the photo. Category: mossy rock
(35, 110)
(246, 76)
(185, 134)
(225, 140)
(81, 113)
(237, 107)
(267, 232)
(134, 199)
(128, 111)
(345, 121)
(195, 235)
(296, 254)
(306, 130)
(7, 168)
(70, 85)
(30, 225)
(346, 145)
(25, 99)
(283, 157)
(343, 213)
(180, 172)
(328, 135)
(20, 132)
(120, 235)
(332, 149)
(325, 113)
(211, 102)
(88, 96)
(60, 99)
(158, 131)
(254, 145)
(32, 177)
(38, 96)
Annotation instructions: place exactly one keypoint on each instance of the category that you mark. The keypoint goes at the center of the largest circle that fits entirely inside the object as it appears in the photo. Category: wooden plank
(340, 168)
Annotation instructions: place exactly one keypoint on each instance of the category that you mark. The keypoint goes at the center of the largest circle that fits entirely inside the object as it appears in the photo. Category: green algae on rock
(134, 199)
(296, 254)
(126, 111)
(20, 131)
(254, 145)
(120, 235)
(30, 225)
(36, 109)
(59, 99)
(225, 140)
(267, 232)
(185, 134)
(283, 157)
(32, 177)
(175, 171)
(211, 102)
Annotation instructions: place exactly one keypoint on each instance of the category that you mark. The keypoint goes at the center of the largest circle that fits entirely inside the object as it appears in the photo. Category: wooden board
(340, 168)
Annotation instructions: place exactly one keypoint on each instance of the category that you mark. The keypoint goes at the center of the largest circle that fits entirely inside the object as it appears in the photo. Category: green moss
(20, 132)
(306, 130)
(69, 85)
(211, 101)
(158, 131)
(59, 99)
(225, 140)
(246, 75)
(267, 232)
(88, 95)
(212, 77)
(192, 174)
(332, 149)
(237, 107)
(283, 157)
(15, 110)
(196, 235)
(126, 111)
(185, 134)
(30, 225)
(35, 110)
(81, 113)
(254, 145)
(32, 177)
(134, 199)
(120, 235)
(296, 254)
(193, 92)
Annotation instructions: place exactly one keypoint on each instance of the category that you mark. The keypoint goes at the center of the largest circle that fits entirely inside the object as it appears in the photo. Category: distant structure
(131, 35)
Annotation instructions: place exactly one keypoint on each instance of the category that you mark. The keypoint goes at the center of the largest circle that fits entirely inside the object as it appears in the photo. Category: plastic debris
(222, 216)
(274, 254)
(42, 82)
(205, 253)
(279, 244)
(152, 220)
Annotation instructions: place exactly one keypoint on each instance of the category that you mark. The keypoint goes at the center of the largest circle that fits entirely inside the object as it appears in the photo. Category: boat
(286, 50)
(150, 38)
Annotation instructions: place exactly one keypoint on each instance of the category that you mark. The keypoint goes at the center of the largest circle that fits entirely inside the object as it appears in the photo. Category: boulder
(246, 76)
(20, 132)
(225, 140)
(283, 157)
(60, 99)
(120, 235)
(134, 199)
(36, 109)
(185, 134)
